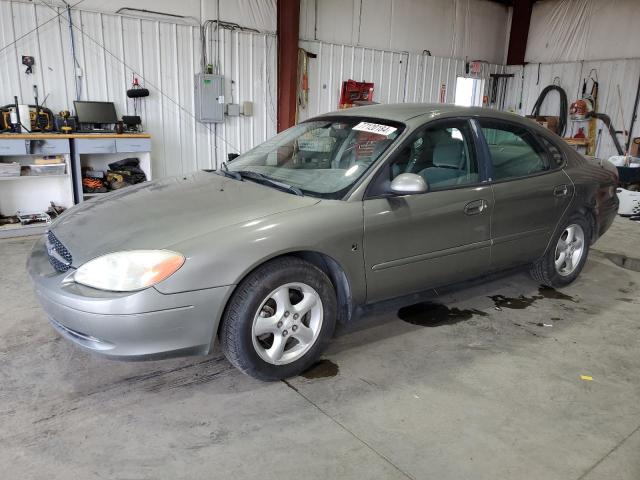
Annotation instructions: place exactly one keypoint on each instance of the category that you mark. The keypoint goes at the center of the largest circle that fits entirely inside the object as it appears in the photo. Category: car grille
(59, 257)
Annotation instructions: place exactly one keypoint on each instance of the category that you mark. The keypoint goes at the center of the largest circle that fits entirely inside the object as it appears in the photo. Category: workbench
(32, 194)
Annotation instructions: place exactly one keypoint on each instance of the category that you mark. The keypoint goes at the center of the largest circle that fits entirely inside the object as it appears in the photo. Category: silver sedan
(268, 253)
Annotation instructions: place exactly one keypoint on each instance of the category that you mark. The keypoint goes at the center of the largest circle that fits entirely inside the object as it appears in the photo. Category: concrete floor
(484, 393)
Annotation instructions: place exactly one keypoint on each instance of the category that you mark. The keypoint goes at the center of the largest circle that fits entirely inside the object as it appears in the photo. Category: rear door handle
(475, 207)
(560, 190)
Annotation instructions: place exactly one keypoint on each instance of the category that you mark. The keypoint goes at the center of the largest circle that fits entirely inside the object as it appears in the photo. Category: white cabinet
(96, 152)
(33, 193)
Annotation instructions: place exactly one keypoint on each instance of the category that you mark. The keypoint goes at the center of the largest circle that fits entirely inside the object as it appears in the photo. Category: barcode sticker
(378, 128)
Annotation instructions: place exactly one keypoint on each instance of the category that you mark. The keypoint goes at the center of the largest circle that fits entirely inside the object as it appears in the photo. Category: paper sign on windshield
(385, 130)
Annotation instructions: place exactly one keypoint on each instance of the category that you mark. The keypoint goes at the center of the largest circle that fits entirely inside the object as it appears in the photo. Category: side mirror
(407, 184)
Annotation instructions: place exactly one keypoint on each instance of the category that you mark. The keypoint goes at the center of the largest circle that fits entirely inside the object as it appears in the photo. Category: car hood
(162, 213)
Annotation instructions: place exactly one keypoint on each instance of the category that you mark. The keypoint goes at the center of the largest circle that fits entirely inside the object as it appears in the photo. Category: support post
(519, 33)
(288, 12)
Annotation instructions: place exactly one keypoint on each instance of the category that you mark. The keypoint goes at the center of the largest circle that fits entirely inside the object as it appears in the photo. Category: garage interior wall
(473, 29)
(384, 41)
(569, 76)
(388, 42)
(570, 40)
(398, 76)
(165, 55)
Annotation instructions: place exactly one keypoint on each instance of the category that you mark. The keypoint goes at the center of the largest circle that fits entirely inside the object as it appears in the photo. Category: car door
(413, 242)
(531, 191)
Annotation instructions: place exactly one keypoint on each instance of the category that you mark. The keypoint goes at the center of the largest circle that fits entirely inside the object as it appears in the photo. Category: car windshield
(322, 158)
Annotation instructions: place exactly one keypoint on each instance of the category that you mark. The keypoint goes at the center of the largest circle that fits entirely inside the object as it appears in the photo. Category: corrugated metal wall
(426, 75)
(165, 55)
(398, 76)
(610, 74)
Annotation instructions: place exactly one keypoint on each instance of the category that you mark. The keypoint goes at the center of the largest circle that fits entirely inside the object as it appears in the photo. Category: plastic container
(33, 218)
(40, 170)
(9, 169)
(629, 202)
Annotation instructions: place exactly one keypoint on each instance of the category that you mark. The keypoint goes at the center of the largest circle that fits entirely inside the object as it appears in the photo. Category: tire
(553, 269)
(266, 337)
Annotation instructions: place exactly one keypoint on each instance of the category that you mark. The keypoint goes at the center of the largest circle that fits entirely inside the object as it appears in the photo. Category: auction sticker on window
(378, 128)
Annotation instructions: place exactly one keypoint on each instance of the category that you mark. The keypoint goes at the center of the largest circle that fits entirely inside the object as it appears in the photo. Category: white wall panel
(610, 73)
(257, 14)
(575, 30)
(164, 55)
(398, 76)
(475, 29)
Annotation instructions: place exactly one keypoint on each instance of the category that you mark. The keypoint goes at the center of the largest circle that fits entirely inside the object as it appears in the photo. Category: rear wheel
(567, 255)
(279, 320)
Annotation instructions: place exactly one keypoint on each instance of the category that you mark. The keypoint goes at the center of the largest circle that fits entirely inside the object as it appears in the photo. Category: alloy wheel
(569, 250)
(287, 324)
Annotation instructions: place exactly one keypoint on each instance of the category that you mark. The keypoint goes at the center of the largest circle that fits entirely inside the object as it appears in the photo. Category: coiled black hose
(564, 106)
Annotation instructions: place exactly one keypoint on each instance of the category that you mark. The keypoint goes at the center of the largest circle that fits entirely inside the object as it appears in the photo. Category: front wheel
(567, 254)
(279, 320)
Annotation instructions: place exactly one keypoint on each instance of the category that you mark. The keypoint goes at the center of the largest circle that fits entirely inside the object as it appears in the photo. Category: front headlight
(129, 271)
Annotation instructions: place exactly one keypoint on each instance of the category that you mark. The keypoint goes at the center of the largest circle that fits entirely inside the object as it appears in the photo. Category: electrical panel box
(209, 98)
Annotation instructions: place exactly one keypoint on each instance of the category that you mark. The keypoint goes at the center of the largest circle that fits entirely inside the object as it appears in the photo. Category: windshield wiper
(258, 177)
(228, 173)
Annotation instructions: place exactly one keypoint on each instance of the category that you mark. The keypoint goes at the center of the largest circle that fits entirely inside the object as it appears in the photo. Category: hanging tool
(634, 116)
(624, 130)
(597, 141)
(136, 93)
(612, 131)
(562, 118)
(499, 89)
(28, 61)
(303, 78)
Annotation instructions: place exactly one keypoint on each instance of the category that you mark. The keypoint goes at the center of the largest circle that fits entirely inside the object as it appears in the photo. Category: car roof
(403, 112)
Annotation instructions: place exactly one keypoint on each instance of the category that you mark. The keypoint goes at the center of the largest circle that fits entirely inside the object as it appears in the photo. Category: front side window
(322, 158)
(442, 154)
(514, 151)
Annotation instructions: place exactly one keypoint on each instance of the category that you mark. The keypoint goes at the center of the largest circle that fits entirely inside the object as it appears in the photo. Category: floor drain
(624, 261)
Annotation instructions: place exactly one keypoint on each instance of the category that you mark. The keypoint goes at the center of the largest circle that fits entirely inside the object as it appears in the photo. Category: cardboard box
(547, 121)
(634, 147)
(49, 160)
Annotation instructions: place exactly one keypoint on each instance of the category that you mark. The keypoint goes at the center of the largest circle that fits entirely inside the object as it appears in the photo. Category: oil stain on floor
(522, 302)
(431, 314)
(624, 261)
(321, 369)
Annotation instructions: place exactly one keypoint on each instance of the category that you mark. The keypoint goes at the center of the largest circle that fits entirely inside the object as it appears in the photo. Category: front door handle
(476, 207)
(561, 190)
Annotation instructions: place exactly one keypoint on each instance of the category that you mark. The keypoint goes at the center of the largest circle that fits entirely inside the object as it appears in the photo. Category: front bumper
(139, 324)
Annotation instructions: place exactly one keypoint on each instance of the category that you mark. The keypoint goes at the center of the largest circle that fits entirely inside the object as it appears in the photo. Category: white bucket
(629, 202)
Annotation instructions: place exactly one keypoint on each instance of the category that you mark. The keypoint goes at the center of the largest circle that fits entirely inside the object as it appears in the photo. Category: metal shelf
(24, 177)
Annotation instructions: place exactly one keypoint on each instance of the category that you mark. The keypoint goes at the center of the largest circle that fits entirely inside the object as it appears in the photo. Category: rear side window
(556, 159)
(514, 151)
